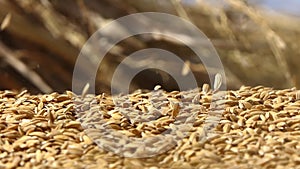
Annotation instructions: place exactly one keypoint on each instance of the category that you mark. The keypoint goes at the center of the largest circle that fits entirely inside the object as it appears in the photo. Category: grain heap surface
(259, 128)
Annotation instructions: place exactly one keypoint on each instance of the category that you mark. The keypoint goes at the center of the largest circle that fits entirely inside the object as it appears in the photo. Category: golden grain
(226, 128)
(258, 123)
(205, 88)
(217, 82)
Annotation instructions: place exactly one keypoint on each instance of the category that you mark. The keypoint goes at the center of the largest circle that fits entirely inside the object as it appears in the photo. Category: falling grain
(85, 90)
(218, 81)
(6, 21)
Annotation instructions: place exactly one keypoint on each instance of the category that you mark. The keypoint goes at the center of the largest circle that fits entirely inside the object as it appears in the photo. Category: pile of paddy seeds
(253, 127)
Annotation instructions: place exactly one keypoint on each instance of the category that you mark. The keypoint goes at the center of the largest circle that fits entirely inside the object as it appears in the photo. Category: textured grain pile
(259, 128)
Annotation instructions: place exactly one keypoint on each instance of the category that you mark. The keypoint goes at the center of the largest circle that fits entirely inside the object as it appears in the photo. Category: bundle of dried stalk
(259, 128)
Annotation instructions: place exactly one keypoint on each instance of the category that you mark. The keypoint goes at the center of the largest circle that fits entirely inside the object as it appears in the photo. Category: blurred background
(257, 41)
